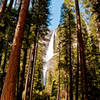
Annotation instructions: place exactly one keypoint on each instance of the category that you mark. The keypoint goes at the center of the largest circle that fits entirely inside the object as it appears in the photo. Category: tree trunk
(58, 94)
(82, 55)
(19, 6)
(31, 66)
(2, 9)
(32, 81)
(0, 58)
(5, 58)
(77, 72)
(10, 5)
(1, 50)
(70, 61)
(66, 91)
(9, 88)
(18, 75)
(27, 77)
(22, 78)
(66, 63)
(15, 4)
(29, 74)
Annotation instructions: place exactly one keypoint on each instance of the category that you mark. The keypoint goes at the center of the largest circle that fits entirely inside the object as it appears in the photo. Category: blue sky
(55, 9)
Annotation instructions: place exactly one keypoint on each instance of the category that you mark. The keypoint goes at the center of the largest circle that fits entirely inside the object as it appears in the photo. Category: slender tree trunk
(66, 91)
(1, 50)
(32, 72)
(5, 58)
(70, 62)
(82, 55)
(31, 67)
(10, 5)
(29, 74)
(27, 77)
(15, 4)
(22, 77)
(9, 88)
(77, 72)
(32, 81)
(21, 88)
(34, 61)
(66, 62)
(0, 58)
(2, 9)
(58, 94)
(19, 6)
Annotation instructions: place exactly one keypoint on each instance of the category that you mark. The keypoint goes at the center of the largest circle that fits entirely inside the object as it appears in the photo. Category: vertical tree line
(75, 50)
(15, 72)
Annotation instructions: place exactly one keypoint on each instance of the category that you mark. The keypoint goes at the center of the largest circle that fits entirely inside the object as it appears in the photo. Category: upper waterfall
(50, 51)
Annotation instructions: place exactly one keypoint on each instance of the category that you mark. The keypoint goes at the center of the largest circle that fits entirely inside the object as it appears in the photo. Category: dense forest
(37, 63)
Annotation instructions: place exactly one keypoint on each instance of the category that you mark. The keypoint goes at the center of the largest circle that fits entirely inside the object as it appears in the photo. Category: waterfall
(49, 55)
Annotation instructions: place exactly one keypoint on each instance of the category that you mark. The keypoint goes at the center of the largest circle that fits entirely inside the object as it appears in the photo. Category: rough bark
(2, 9)
(9, 88)
(82, 55)
(18, 75)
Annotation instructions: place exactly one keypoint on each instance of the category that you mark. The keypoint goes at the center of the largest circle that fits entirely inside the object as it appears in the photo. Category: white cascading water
(49, 55)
